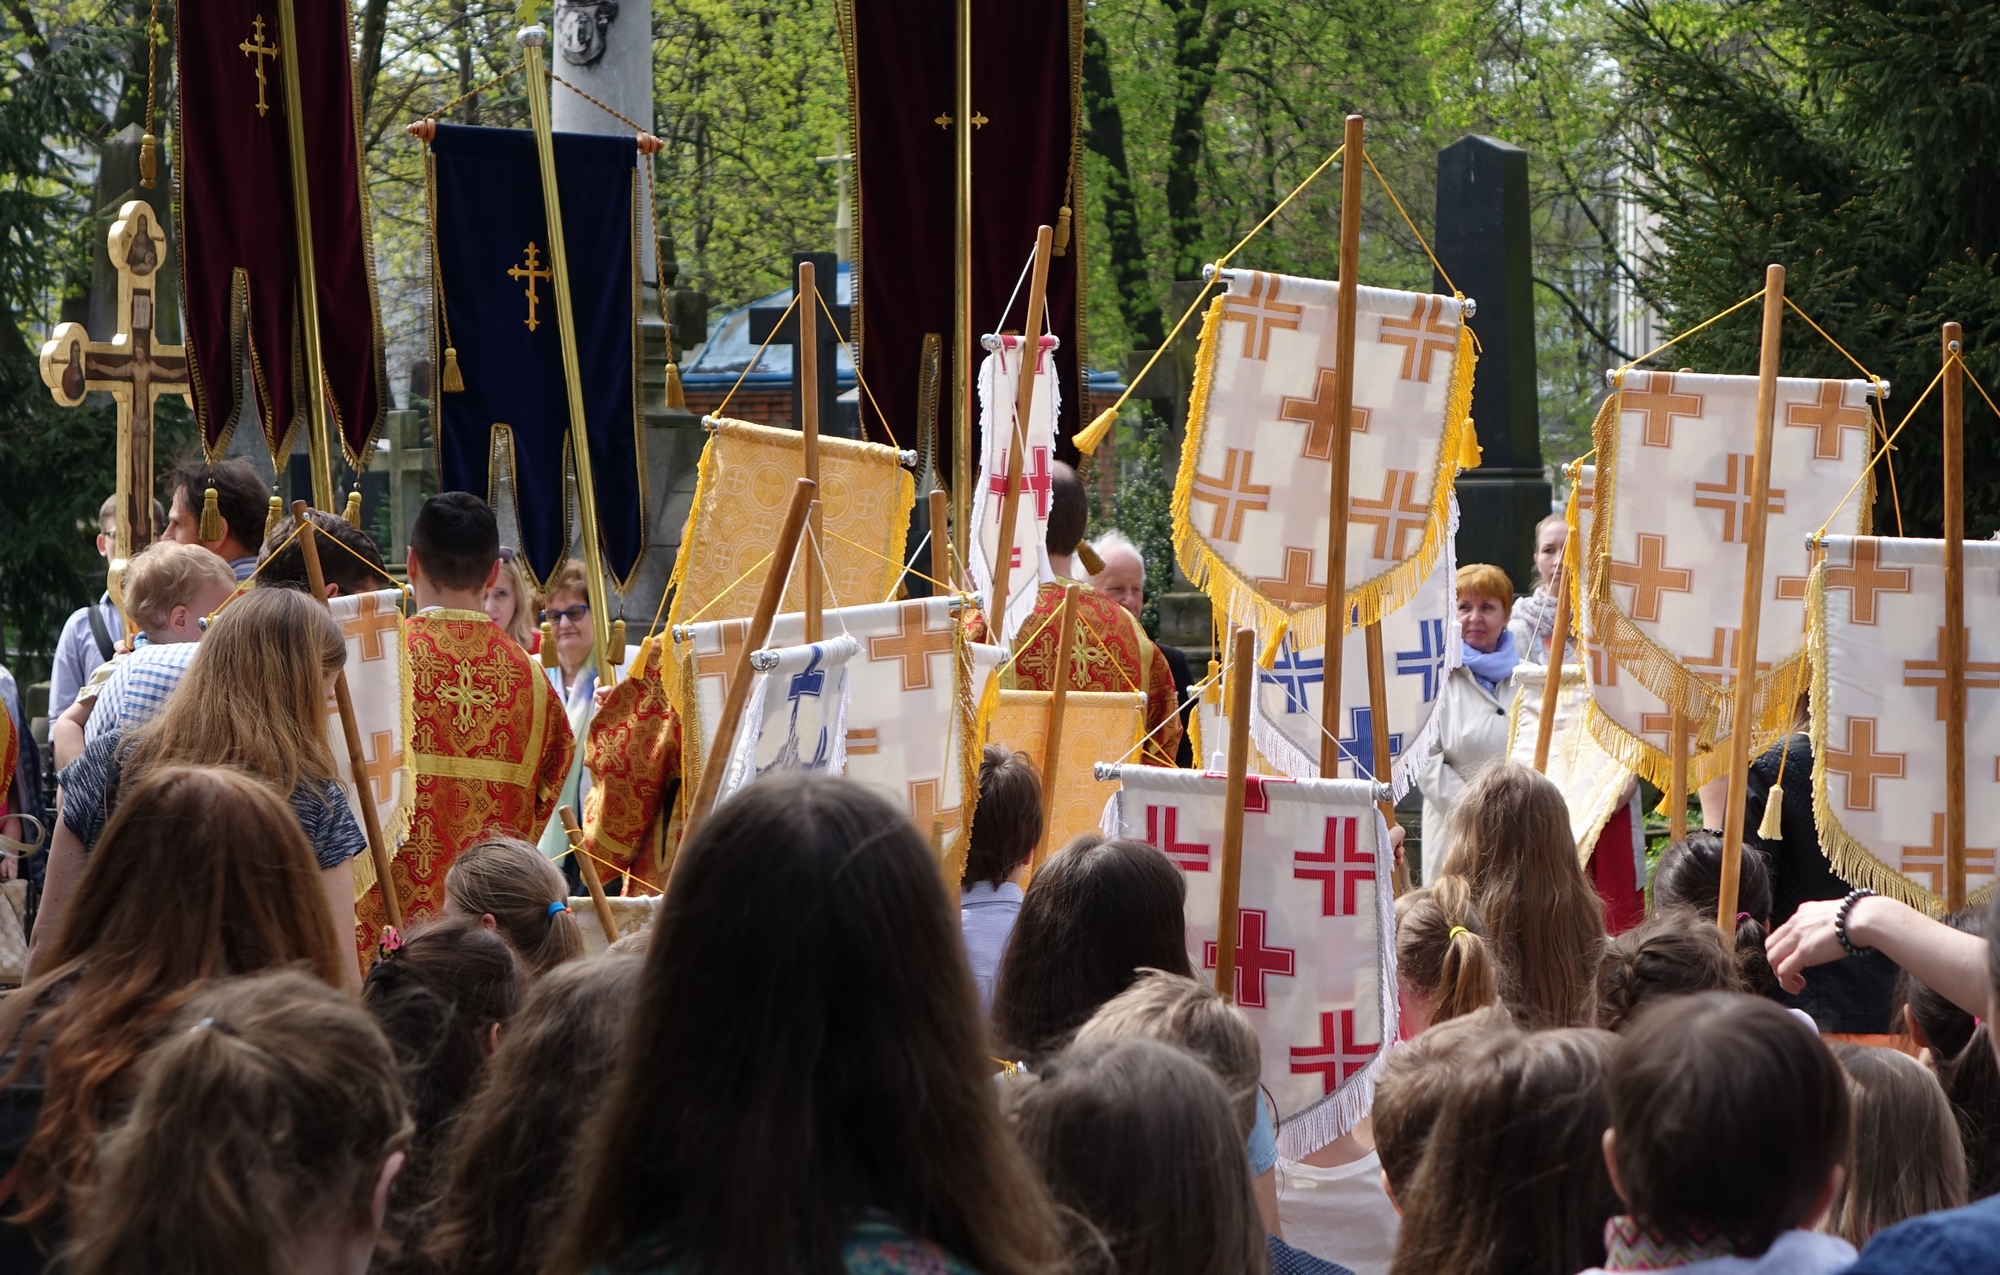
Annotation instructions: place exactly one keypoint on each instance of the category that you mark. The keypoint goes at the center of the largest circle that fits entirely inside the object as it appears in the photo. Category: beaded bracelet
(1840, 922)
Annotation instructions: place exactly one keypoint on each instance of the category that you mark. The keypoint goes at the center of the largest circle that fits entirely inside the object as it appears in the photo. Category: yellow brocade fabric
(491, 747)
(633, 752)
(1097, 726)
(1111, 653)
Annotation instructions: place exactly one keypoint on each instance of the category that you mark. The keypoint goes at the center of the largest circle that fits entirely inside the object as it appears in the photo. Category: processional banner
(1669, 534)
(796, 716)
(493, 288)
(1878, 714)
(378, 682)
(1315, 932)
(633, 753)
(1594, 783)
(998, 408)
(1097, 726)
(1250, 505)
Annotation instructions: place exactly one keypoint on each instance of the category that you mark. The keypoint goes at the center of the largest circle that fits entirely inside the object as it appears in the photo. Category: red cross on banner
(1254, 961)
(1337, 1055)
(1340, 868)
(1161, 833)
(1035, 480)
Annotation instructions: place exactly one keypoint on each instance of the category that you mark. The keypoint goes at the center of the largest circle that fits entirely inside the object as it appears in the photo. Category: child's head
(1443, 965)
(169, 587)
(1728, 1118)
(1142, 1146)
(1933, 1020)
(1906, 1157)
(1192, 1017)
(507, 884)
(264, 1138)
(1415, 1078)
(1511, 840)
(1008, 824)
(1688, 876)
(454, 543)
(1513, 1179)
(351, 564)
(1675, 952)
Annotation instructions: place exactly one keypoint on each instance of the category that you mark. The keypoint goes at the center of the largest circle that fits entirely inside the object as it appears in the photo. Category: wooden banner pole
(1756, 520)
(1677, 780)
(962, 467)
(1058, 709)
(739, 677)
(350, 729)
(940, 546)
(807, 352)
(1953, 652)
(1351, 168)
(588, 871)
(1378, 718)
(1024, 395)
(1545, 730)
(1242, 662)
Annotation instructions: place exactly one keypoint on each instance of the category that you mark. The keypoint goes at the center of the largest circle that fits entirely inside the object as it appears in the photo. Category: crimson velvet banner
(239, 254)
(1025, 110)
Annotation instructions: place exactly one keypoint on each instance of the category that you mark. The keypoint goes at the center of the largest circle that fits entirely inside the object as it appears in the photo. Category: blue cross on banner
(1427, 661)
(1359, 751)
(1295, 674)
(494, 287)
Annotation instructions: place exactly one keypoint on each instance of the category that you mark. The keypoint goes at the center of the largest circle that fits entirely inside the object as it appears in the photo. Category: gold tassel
(1269, 656)
(1094, 433)
(676, 400)
(1469, 454)
(1770, 827)
(1213, 693)
(274, 517)
(644, 658)
(354, 510)
(548, 644)
(1092, 564)
(1059, 245)
(617, 642)
(211, 518)
(454, 383)
(149, 162)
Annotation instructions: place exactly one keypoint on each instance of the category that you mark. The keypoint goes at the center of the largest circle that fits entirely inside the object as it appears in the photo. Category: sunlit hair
(522, 626)
(167, 575)
(514, 883)
(1190, 1016)
(1674, 952)
(1441, 948)
(1906, 1157)
(1484, 580)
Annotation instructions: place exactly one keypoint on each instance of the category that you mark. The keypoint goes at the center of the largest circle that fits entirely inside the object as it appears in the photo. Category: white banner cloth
(999, 376)
(378, 681)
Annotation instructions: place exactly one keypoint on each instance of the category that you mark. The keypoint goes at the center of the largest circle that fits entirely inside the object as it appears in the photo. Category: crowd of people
(817, 1058)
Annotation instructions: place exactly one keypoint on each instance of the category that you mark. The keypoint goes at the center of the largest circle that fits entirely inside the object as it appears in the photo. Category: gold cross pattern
(531, 272)
(468, 700)
(258, 49)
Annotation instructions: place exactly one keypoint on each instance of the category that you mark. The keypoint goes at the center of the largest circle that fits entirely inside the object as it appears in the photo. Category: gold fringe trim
(969, 721)
(1366, 603)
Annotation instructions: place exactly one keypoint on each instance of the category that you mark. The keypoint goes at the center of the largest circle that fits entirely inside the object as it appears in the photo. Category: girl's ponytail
(1442, 950)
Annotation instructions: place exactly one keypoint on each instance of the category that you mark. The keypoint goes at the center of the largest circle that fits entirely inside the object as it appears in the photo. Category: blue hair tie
(558, 906)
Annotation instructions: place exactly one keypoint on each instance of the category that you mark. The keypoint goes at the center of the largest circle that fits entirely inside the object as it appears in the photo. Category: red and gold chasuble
(491, 747)
(634, 756)
(1112, 654)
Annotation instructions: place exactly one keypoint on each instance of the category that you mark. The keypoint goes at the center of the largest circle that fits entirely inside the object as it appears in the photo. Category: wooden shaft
(940, 547)
(1755, 524)
(1336, 496)
(1058, 708)
(1545, 730)
(1955, 635)
(318, 425)
(1378, 718)
(807, 353)
(1677, 782)
(588, 871)
(961, 299)
(1024, 397)
(739, 677)
(350, 729)
(1242, 657)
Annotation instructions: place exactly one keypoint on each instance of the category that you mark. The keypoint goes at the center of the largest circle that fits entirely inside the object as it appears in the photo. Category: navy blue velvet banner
(491, 245)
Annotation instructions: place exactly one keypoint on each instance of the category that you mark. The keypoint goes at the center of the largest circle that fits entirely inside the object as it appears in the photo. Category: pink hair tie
(1741, 917)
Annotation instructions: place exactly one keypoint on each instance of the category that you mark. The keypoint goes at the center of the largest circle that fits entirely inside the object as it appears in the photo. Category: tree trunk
(1197, 52)
(374, 26)
(1106, 136)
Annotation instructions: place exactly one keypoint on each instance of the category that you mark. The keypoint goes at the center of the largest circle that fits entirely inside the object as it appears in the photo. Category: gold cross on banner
(468, 700)
(257, 50)
(531, 272)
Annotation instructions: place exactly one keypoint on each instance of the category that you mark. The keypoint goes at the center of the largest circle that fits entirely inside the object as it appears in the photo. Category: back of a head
(456, 539)
(1935, 1021)
(807, 1004)
(1415, 1078)
(1192, 1017)
(1095, 914)
(1688, 876)
(1730, 1114)
(524, 893)
(354, 563)
(1674, 952)
(496, 1211)
(1906, 1158)
(258, 1135)
(1139, 1140)
(1511, 839)
(166, 575)
(1009, 823)
(1069, 512)
(1441, 949)
(1513, 1179)
(240, 495)
(1972, 1085)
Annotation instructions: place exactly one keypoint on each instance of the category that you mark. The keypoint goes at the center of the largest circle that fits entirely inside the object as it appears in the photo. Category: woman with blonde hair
(1444, 968)
(510, 603)
(254, 699)
(1471, 710)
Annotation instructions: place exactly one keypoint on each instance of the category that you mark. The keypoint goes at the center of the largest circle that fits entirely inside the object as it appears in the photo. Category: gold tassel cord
(548, 652)
(454, 380)
(353, 511)
(149, 145)
(211, 518)
(275, 516)
(1771, 826)
(1059, 243)
(1087, 557)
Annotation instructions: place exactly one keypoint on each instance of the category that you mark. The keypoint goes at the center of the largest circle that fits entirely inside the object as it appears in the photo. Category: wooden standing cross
(131, 366)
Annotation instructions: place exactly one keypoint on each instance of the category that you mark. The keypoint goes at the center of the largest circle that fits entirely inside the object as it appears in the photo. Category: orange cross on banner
(374, 619)
(1233, 495)
(1318, 414)
(914, 646)
(1296, 588)
(1652, 393)
(1732, 495)
(382, 759)
(1260, 313)
(1930, 859)
(1865, 579)
(1650, 577)
(1422, 336)
(1399, 512)
(1861, 765)
(1830, 418)
(1980, 675)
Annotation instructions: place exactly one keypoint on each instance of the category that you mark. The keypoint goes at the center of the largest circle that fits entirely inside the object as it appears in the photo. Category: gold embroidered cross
(257, 50)
(466, 698)
(531, 272)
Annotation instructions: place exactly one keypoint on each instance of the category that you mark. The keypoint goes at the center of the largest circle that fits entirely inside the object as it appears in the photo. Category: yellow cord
(1817, 535)
(859, 379)
(1618, 373)
(1421, 241)
(759, 357)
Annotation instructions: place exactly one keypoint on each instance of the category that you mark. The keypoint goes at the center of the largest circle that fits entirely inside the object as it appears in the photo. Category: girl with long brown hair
(1511, 841)
(200, 873)
(254, 699)
(507, 885)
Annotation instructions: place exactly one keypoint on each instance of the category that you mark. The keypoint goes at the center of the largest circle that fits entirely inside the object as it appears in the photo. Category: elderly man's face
(1123, 579)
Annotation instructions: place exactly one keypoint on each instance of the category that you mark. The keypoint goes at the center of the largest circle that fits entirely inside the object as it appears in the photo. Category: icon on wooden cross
(131, 366)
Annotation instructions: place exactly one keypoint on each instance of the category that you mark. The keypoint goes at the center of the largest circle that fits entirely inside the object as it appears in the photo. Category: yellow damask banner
(1097, 726)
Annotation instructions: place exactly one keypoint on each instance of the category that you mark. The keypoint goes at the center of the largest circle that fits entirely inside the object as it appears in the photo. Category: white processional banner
(1593, 782)
(796, 715)
(999, 375)
(378, 681)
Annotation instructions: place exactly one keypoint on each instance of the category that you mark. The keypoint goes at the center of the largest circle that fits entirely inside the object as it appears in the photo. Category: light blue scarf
(1490, 668)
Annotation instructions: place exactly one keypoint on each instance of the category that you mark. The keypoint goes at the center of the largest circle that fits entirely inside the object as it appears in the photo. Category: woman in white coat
(1472, 707)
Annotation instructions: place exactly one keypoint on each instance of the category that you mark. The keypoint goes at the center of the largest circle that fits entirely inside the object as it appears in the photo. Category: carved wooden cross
(130, 366)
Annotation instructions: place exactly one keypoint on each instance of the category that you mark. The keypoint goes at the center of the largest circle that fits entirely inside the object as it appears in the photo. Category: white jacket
(1471, 734)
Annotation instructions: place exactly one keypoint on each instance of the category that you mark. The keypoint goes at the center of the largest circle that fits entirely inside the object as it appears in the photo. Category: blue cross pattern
(1360, 749)
(809, 681)
(1294, 674)
(1427, 661)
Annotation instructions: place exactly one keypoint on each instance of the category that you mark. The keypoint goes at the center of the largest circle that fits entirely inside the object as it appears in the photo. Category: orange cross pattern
(381, 765)
(864, 743)
(924, 806)
(721, 664)
(1394, 516)
(1260, 313)
(1295, 588)
(1233, 495)
(1656, 724)
(1930, 858)
(914, 647)
(1318, 414)
(1862, 765)
(1721, 657)
(1650, 577)
(1422, 335)
(1829, 418)
(1732, 495)
(369, 624)
(1603, 669)
(1653, 394)
(1865, 578)
(1980, 675)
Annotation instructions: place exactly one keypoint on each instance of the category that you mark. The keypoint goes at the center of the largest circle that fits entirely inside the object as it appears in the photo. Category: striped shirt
(138, 686)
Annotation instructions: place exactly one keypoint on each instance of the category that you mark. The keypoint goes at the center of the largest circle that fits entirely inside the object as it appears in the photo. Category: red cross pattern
(1254, 961)
(1318, 415)
(1339, 868)
(1161, 833)
(1295, 588)
(1721, 657)
(1653, 394)
(1233, 495)
(1337, 1055)
(1035, 479)
(1865, 578)
(1398, 513)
